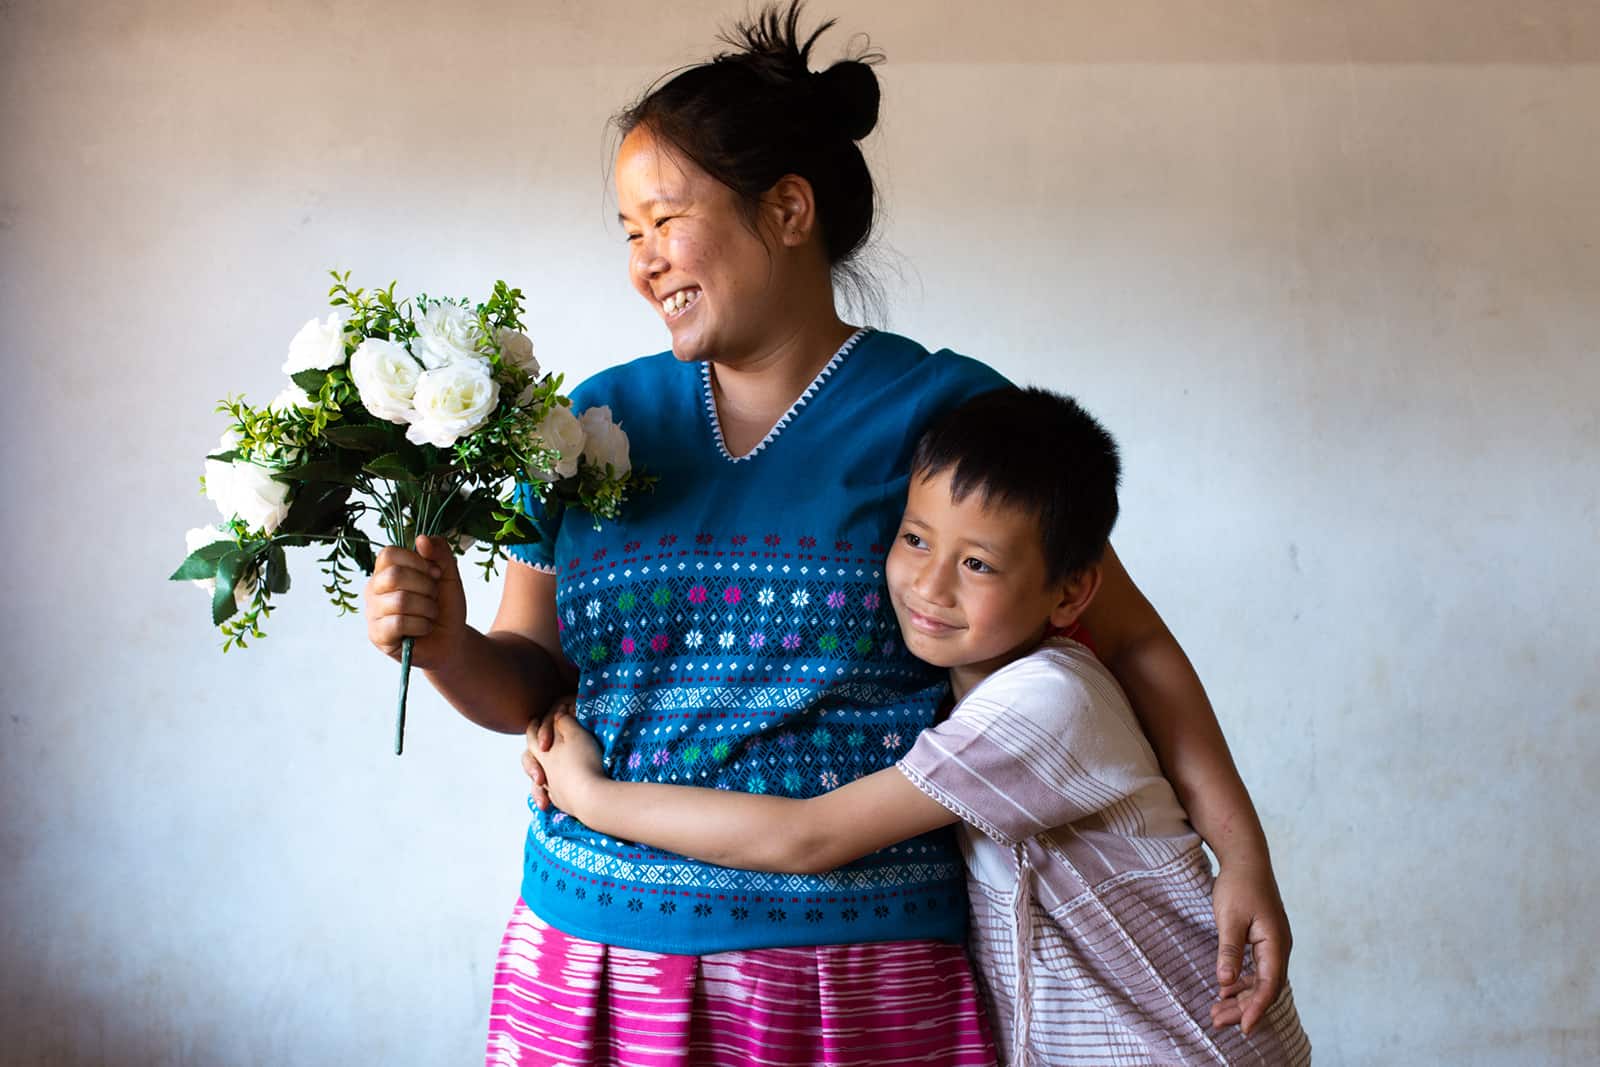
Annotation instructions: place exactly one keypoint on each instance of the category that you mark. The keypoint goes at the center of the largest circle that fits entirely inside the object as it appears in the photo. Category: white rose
(318, 346)
(289, 398)
(516, 350)
(603, 440)
(249, 492)
(386, 377)
(447, 334)
(560, 432)
(200, 537)
(451, 402)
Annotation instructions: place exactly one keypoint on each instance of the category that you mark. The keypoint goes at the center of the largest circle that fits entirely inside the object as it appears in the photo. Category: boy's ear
(1076, 593)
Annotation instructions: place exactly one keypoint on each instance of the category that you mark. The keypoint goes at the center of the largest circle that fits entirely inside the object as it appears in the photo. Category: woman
(729, 629)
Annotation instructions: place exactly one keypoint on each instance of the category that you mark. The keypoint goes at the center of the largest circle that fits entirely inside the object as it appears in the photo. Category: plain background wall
(1330, 270)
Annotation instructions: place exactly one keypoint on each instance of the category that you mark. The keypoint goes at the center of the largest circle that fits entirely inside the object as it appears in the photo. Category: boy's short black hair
(1034, 450)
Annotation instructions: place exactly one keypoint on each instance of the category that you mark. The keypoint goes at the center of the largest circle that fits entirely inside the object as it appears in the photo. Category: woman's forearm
(501, 681)
(1177, 717)
(1172, 706)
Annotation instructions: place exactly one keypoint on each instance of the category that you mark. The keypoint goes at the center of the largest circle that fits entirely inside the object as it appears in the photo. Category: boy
(1090, 894)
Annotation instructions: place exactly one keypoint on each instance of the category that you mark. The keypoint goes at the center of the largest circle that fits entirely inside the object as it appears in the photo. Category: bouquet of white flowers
(424, 414)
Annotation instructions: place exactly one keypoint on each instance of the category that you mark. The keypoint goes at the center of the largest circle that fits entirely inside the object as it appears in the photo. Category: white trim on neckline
(788, 416)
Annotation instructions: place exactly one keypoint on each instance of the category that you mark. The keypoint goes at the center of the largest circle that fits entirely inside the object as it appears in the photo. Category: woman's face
(693, 255)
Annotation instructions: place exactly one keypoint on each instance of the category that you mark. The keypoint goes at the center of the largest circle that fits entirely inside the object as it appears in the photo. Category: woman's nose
(648, 262)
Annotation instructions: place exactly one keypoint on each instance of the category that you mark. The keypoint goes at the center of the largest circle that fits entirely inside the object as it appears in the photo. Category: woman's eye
(632, 237)
(911, 540)
(977, 566)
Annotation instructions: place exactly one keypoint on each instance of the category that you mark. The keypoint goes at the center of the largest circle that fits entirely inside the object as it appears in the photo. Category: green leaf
(360, 550)
(318, 508)
(309, 380)
(362, 438)
(321, 470)
(229, 567)
(393, 466)
(202, 562)
(277, 570)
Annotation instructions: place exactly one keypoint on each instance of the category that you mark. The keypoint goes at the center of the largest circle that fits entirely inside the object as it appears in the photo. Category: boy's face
(969, 583)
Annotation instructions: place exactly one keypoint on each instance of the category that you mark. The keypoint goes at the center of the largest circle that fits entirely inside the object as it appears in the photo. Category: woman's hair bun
(848, 91)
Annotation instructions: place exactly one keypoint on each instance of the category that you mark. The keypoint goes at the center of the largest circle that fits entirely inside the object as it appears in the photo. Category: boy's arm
(1171, 704)
(744, 830)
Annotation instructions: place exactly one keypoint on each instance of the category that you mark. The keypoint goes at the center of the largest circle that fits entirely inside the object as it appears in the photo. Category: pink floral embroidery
(791, 641)
(627, 646)
(658, 643)
(836, 599)
(660, 758)
(757, 640)
(733, 594)
(634, 760)
(870, 601)
(891, 740)
(697, 595)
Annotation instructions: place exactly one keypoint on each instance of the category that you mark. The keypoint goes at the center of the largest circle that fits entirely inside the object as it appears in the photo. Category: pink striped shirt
(1092, 928)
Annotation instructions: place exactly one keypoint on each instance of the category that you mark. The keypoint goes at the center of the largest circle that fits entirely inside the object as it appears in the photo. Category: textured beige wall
(1331, 271)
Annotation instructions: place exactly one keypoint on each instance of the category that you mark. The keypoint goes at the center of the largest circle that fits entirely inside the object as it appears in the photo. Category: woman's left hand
(1249, 911)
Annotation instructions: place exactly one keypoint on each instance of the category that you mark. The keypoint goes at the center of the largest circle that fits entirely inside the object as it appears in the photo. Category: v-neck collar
(788, 416)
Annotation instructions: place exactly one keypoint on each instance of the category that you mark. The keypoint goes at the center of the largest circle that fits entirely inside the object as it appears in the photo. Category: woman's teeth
(679, 300)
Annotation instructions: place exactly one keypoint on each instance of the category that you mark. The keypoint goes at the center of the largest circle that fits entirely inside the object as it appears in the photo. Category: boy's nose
(933, 583)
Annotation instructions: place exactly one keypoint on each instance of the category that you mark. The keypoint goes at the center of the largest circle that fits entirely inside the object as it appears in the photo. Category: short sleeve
(546, 519)
(1044, 742)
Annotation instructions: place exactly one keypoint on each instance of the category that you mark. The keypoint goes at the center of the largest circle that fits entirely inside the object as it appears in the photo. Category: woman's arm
(501, 679)
(1172, 707)
(756, 833)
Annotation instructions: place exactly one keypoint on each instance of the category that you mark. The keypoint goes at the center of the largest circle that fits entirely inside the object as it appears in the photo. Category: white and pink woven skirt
(563, 1000)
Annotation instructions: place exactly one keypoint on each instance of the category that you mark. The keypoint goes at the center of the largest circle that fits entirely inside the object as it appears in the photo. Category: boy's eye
(911, 539)
(976, 565)
(632, 237)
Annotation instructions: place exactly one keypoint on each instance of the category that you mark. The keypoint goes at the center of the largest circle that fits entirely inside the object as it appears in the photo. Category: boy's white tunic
(1091, 895)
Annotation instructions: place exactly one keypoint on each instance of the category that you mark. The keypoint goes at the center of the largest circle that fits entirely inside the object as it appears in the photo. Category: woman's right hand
(417, 595)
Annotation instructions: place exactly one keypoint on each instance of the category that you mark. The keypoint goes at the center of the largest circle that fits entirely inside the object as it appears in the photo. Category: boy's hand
(1250, 912)
(571, 764)
(541, 735)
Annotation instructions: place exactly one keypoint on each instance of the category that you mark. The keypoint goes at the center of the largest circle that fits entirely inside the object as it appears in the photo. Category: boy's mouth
(927, 624)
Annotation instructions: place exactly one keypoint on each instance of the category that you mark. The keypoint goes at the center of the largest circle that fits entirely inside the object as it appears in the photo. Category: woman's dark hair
(752, 115)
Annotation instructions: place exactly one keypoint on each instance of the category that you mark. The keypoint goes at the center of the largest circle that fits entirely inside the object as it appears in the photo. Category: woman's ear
(790, 209)
(1077, 591)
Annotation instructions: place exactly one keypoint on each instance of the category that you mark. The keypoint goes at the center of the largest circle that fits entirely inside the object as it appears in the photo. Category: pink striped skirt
(563, 1000)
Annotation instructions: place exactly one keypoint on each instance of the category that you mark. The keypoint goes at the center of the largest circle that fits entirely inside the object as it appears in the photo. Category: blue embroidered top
(733, 630)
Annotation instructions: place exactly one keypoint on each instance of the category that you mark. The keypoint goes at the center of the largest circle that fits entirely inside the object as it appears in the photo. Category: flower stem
(405, 683)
